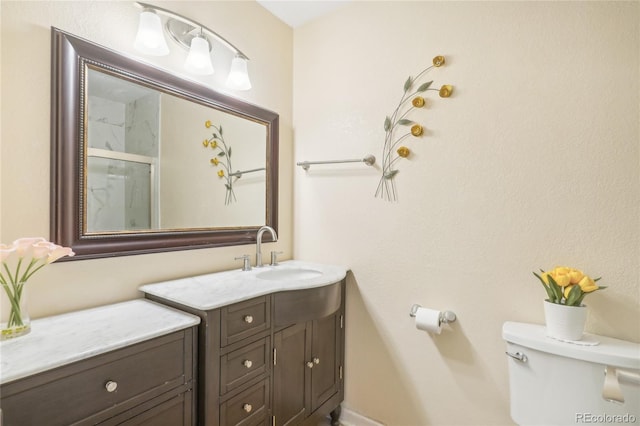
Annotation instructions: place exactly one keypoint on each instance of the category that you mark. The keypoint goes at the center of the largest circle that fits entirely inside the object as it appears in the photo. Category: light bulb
(150, 39)
(238, 78)
(199, 60)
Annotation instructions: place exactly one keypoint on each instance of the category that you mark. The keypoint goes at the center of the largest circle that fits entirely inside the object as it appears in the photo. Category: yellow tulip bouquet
(567, 286)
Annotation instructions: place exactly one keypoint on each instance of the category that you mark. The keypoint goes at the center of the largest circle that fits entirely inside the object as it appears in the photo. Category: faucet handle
(274, 257)
(246, 264)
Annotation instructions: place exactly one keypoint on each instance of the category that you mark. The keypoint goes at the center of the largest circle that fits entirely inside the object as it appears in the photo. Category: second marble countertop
(63, 339)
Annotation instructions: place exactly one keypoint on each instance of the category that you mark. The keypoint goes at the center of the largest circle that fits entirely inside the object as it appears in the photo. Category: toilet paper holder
(445, 317)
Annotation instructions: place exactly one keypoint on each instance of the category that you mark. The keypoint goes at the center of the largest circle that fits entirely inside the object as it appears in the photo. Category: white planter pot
(565, 322)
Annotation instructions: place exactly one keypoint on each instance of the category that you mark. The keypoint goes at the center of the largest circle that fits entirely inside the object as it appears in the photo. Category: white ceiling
(299, 12)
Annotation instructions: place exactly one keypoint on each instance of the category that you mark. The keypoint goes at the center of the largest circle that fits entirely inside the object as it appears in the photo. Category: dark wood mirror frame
(70, 57)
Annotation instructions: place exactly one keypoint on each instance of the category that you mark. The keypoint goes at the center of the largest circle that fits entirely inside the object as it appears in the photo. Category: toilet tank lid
(610, 351)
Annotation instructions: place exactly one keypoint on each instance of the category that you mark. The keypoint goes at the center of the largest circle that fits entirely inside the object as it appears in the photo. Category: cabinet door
(291, 376)
(326, 352)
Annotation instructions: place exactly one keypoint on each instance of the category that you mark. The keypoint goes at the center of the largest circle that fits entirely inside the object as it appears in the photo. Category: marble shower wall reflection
(120, 190)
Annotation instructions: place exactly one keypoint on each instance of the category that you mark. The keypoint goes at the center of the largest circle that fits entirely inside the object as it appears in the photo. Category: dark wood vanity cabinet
(272, 360)
(148, 383)
(307, 371)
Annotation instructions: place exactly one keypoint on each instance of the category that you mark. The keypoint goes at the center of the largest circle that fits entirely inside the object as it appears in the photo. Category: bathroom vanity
(127, 363)
(271, 339)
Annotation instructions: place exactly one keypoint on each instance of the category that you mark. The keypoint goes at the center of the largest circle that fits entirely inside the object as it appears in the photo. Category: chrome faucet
(259, 243)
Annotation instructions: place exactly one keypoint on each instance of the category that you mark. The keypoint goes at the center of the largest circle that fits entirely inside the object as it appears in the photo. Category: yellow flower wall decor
(403, 151)
(413, 92)
(222, 158)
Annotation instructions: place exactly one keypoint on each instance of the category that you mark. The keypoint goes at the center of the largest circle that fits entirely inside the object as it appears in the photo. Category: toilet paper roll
(428, 320)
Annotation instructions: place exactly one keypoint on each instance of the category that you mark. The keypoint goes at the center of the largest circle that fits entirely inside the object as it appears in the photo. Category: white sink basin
(289, 274)
(218, 289)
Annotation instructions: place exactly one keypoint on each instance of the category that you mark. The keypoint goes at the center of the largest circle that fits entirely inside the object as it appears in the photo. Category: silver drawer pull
(316, 360)
(518, 356)
(247, 363)
(247, 408)
(248, 319)
(111, 386)
(310, 364)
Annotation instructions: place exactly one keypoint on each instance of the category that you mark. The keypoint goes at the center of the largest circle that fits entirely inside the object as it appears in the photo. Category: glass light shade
(199, 60)
(150, 39)
(238, 78)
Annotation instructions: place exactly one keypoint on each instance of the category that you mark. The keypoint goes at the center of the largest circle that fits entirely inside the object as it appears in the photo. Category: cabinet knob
(111, 386)
(247, 408)
(310, 364)
(248, 319)
(316, 360)
(247, 363)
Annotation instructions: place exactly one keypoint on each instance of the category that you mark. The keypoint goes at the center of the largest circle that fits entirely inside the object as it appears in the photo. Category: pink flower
(6, 251)
(24, 246)
(19, 261)
(25, 256)
(41, 249)
(58, 251)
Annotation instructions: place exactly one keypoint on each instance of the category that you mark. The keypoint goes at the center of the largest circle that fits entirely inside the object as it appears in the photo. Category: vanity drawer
(244, 319)
(165, 411)
(248, 408)
(98, 388)
(244, 364)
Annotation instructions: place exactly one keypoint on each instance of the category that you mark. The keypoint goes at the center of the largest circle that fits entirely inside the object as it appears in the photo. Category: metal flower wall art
(222, 159)
(398, 127)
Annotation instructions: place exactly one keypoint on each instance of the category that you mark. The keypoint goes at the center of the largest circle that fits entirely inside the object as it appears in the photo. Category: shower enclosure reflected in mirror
(130, 172)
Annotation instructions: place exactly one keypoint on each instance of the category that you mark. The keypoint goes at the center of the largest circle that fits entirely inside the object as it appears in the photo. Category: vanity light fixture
(194, 37)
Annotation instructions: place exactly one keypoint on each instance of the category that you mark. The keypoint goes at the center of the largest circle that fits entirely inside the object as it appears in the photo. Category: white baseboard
(351, 418)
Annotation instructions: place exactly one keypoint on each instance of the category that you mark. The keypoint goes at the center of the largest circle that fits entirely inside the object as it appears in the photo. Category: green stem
(28, 273)
(6, 268)
(227, 165)
(392, 147)
(15, 314)
(422, 72)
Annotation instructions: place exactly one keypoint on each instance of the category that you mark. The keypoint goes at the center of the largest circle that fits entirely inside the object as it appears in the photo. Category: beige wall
(533, 162)
(24, 162)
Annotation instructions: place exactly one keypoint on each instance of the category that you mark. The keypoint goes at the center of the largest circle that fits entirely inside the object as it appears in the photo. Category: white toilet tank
(560, 383)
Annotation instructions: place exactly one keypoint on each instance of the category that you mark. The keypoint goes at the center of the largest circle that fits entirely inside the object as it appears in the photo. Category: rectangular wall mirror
(144, 161)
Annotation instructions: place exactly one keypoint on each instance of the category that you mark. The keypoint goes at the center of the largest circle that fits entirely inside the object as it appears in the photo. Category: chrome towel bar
(369, 160)
(239, 173)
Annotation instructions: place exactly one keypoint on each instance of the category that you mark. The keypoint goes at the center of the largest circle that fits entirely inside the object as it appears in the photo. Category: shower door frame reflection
(151, 205)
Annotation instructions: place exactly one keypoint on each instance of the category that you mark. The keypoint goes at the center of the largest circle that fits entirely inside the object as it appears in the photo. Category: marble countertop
(211, 291)
(63, 339)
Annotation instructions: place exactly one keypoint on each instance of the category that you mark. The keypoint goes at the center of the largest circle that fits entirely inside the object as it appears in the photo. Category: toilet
(593, 381)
